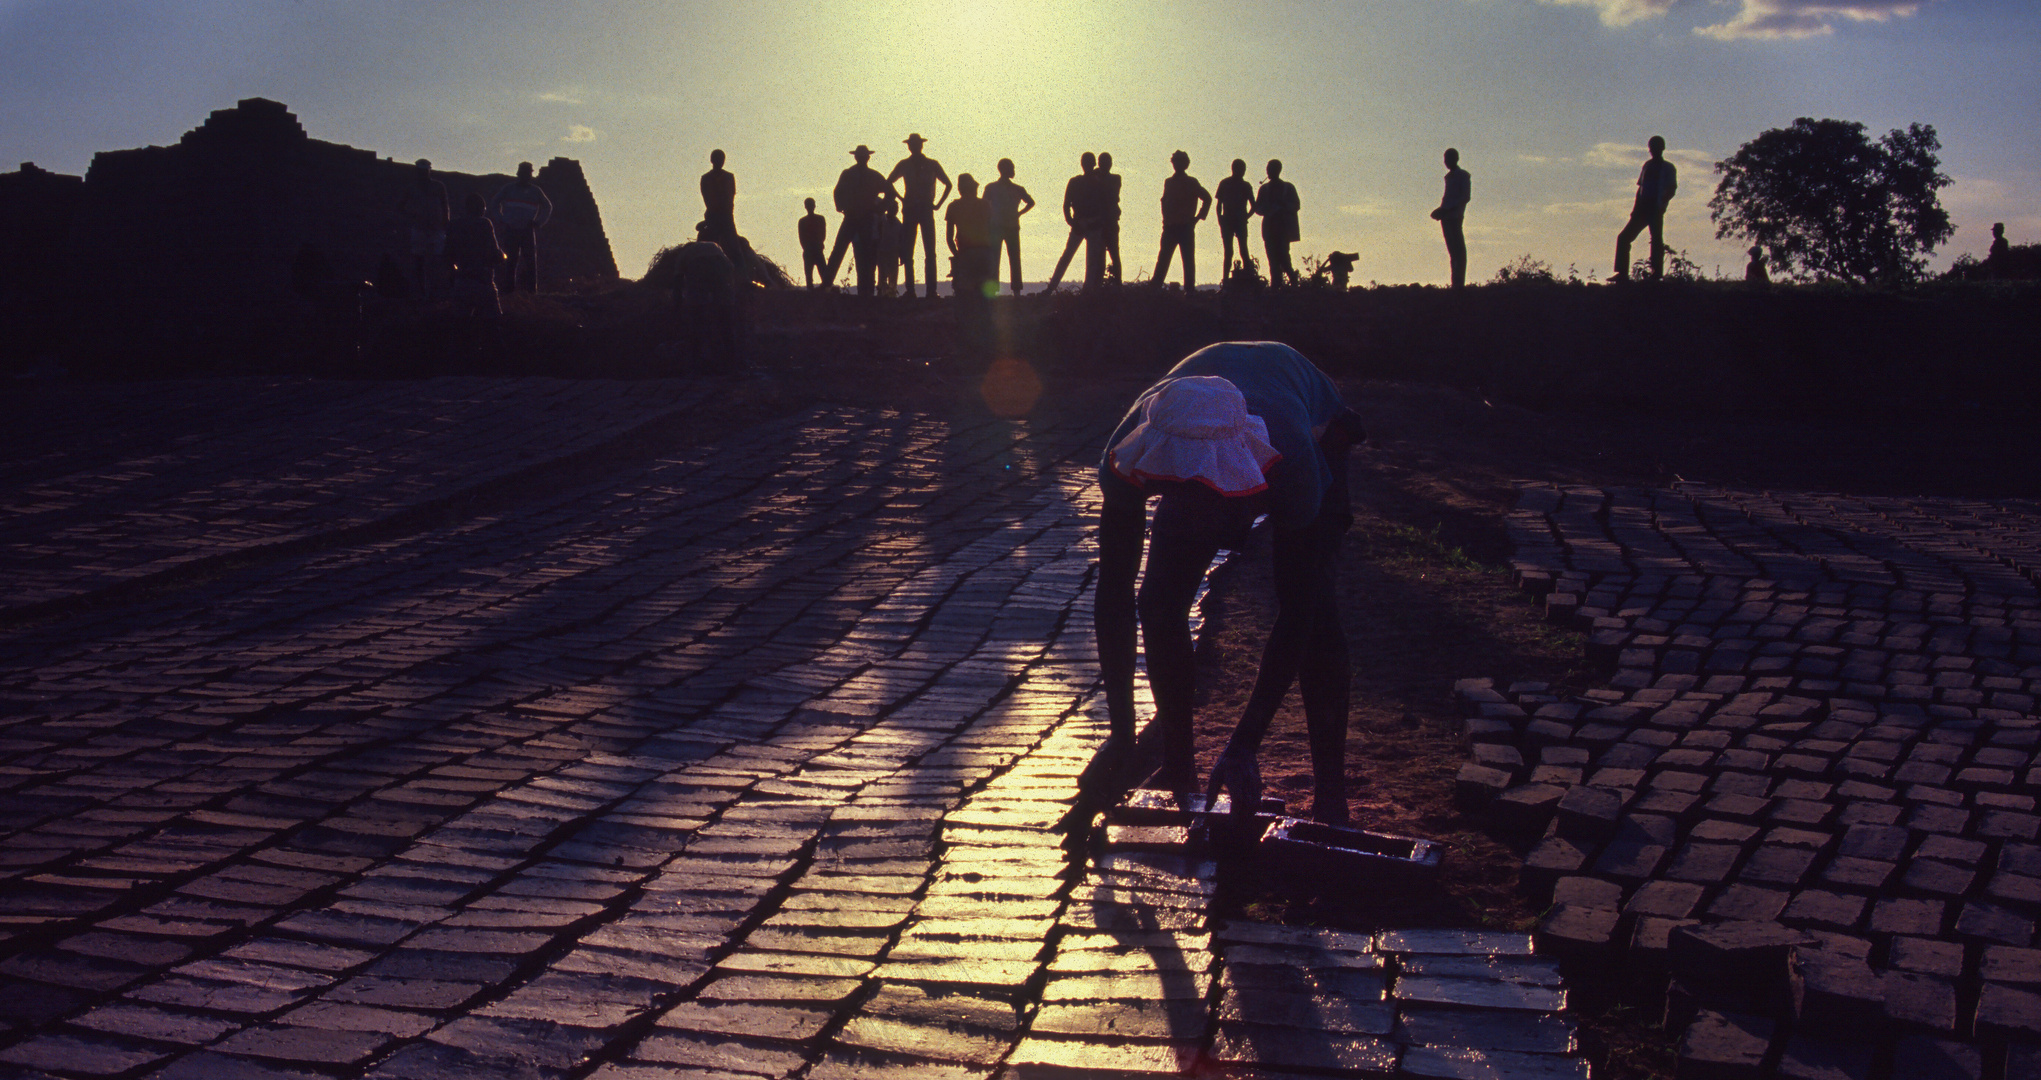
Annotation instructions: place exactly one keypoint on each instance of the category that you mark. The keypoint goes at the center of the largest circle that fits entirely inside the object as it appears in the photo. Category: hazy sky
(1549, 102)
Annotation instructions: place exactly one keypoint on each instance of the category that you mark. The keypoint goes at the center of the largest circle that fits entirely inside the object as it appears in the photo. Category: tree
(1827, 202)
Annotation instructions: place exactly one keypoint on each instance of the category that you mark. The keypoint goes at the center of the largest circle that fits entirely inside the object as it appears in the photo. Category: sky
(1549, 102)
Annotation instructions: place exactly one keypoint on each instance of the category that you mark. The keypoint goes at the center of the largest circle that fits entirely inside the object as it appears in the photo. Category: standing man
(1277, 204)
(857, 199)
(968, 234)
(472, 253)
(1452, 208)
(1236, 204)
(814, 233)
(1080, 212)
(719, 199)
(1109, 213)
(1656, 183)
(1999, 254)
(1008, 201)
(1233, 432)
(426, 213)
(1185, 202)
(918, 175)
(522, 209)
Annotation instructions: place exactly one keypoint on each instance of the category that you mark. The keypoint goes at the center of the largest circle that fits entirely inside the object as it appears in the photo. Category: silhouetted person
(472, 251)
(974, 272)
(857, 199)
(1109, 213)
(1008, 202)
(1235, 197)
(1754, 272)
(967, 228)
(521, 209)
(705, 294)
(814, 233)
(1453, 208)
(1185, 202)
(1340, 265)
(1656, 183)
(918, 175)
(1998, 258)
(1277, 203)
(719, 198)
(886, 241)
(1234, 431)
(1080, 212)
(426, 213)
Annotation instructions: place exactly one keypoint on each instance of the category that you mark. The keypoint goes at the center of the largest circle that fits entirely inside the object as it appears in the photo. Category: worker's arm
(1304, 582)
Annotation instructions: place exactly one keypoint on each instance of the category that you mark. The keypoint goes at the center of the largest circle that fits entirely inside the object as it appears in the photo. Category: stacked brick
(1801, 809)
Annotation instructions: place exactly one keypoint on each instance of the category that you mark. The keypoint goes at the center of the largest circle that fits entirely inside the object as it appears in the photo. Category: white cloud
(1630, 155)
(566, 95)
(1369, 208)
(1784, 19)
(1769, 20)
(1619, 12)
(580, 133)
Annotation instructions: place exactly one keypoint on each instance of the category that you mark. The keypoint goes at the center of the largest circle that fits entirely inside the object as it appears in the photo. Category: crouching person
(1233, 432)
(709, 325)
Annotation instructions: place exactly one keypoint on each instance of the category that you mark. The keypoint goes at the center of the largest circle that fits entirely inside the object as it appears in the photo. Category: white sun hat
(1198, 428)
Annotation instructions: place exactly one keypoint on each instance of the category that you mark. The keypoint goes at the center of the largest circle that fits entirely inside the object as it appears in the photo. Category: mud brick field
(532, 727)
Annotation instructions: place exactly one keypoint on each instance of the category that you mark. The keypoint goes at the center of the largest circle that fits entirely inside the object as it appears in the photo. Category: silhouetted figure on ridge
(1998, 257)
(886, 240)
(472, 251)
(1452, 209)
(974, 272)
(1234, 431)
(1656, 183)
(1185, 202)
(857, 199)
(918, 174)
(1340, 266)
(1080, 212)
(814, 233)
(1754, 273)
(1277, 204)
(522, 209)
(967, 230)
(1008, 201)
(1235, 198)
(705, 294)
(719, 198)
(1109, 213)
(426, 213)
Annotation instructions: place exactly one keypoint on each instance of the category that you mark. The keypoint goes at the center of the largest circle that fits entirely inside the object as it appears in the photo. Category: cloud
(566, 95)
(1763, 20)
(1619, 12)
(1772, 20)
(1630, 155)
(580, 133)
(1370, 208)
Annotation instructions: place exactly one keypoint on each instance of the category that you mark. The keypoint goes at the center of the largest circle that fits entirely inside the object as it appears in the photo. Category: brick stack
(1800, 810)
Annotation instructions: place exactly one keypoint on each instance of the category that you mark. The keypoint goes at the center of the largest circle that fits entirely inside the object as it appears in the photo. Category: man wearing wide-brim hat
(1234, 432)
(919, 174)
(858, 191)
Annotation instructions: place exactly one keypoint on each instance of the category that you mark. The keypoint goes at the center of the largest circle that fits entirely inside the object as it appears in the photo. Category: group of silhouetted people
(490, 236)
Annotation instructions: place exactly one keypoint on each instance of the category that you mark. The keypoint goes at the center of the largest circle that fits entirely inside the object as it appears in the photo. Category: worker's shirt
(1292, 397)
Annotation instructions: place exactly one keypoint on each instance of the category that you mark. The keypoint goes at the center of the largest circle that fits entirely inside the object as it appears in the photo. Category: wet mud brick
(1725, 1046)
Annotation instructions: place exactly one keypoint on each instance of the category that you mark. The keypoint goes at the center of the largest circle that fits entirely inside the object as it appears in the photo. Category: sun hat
(1198, 428)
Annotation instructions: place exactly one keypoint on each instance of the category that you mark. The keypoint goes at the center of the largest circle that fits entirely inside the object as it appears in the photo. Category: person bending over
(1233, 432)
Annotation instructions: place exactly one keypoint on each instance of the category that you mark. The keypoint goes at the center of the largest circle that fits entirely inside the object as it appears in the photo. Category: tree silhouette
(1827, 202)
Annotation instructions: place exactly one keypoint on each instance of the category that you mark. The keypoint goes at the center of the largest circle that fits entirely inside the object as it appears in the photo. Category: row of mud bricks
(1801, 884)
